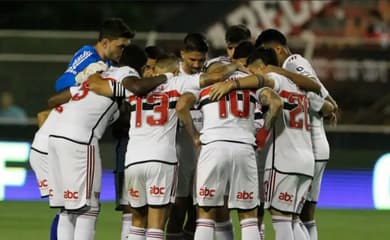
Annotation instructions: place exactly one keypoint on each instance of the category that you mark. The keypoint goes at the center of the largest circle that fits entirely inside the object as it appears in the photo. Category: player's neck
(99, 49)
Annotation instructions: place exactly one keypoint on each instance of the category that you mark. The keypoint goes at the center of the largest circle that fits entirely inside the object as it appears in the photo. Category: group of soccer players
(242, 131)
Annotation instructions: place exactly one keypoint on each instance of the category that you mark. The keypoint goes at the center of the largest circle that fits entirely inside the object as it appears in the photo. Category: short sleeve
(315, 101)
(191, 84)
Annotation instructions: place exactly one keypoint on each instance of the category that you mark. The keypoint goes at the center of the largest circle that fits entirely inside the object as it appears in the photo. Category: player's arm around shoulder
(142, 86)
(183, 106)
(101, 86)
(269, 98)
(216, 75)
(62, 97)
(303, 82)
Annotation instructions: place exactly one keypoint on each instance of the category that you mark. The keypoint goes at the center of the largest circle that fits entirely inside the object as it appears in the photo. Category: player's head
(234, 36)
(114, 36)
(166, 63)
(152, 53)
(272, 38)
(133, 56)
(194, 52)
(260, 58)
(242, 51)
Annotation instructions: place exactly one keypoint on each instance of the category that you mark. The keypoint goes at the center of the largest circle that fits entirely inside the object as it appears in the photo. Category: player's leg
(135, 194)
(39, 163)
(177, 217)
(182, 211)
(205, 224)
(261, 158)
(280, 214)
(308, 212)
(211, 182)
(244, 185)
(121, 205)
(62, 223)
(138, 225)
(223, 225)
(81, 165)
(282, 224)
(161, 180)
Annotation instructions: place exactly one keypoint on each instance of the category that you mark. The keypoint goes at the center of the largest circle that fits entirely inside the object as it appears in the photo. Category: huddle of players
(226, 169)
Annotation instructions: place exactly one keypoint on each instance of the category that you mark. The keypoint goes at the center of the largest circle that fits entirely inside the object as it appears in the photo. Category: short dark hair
(269, 36)
(243, 50)
(154, 52)
(266, 55)
(115, 28)
(237, 34)
(195, 42)
(133, 56)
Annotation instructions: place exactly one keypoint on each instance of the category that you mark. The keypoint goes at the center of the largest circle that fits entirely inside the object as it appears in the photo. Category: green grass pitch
(31, 220)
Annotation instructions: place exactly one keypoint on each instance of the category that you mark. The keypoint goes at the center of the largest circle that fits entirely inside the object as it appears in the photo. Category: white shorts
(150, 183)
(187, 156)
(222, 163)
(314, 190)
(284, 192)
(75, 174)
(40, 166)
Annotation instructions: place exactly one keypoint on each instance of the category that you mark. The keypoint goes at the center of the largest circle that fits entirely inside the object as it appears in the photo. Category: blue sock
(53, 228)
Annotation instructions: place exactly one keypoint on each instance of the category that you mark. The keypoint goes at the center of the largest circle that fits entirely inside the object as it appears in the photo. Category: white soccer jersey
(88, 114)
(41, 137)
(291, 152)
(153, 121)
(296, 63)
(196, 114)
(222, 118)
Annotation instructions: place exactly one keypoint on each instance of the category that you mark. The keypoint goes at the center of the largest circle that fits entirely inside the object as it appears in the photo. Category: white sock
(136, 233)
(66, 224)
(224, 230)
(283, 228)
(153, 233)
(205, 229)
(250, 229)
(311, 227)
(126, 224)
(262, 232)
(85, 227)
(299, 230)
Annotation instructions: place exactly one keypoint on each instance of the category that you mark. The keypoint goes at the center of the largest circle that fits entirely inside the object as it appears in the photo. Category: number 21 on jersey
(297, 106)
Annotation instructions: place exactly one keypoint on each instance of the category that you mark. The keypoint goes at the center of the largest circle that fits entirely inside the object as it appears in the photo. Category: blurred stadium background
(348, 43)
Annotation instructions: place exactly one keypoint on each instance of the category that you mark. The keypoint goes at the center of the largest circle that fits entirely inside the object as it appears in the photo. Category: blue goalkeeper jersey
(82, 58)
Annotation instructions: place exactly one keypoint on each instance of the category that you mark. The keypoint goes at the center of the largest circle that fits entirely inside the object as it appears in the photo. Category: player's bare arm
(99, 85)
(254, 81)
(218, 74)
(303, 82)
(42, 116)
(183, 106)
(142, 86)
(271, 99)
(59, 98)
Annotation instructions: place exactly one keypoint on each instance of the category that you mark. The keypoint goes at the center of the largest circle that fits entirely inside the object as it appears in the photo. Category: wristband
(169, 75)
(260, 81)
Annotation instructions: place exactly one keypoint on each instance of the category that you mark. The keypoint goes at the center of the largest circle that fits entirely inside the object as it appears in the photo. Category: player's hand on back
(219, 89)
